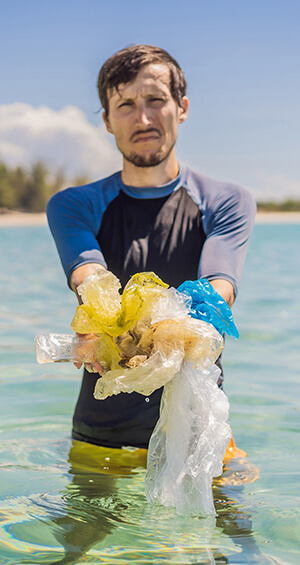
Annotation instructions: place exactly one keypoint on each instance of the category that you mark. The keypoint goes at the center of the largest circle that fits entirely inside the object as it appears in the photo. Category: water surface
(53, 510)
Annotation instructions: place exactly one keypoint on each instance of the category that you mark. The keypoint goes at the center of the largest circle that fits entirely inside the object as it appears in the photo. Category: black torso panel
(163, 235)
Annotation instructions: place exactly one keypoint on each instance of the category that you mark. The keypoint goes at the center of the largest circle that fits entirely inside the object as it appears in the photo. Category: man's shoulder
(208, 191)
(106, 188)
(207, 185)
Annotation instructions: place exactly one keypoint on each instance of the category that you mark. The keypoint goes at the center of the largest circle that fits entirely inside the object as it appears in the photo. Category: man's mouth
(146, 135)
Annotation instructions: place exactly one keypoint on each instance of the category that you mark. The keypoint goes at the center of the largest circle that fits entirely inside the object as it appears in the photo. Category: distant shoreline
(277, 218)
(19, 219)
(23, 219)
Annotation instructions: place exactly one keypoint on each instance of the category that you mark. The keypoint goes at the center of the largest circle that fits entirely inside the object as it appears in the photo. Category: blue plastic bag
(207, 304)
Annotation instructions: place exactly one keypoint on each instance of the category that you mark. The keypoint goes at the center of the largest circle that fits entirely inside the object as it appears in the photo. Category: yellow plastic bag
(104, 309)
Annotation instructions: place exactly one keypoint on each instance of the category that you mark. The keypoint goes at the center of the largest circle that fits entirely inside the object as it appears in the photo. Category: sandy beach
(15, 219)
(277, 218)
(22, 219)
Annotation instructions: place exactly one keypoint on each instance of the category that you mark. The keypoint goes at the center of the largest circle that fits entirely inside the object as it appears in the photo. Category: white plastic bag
(188, 444)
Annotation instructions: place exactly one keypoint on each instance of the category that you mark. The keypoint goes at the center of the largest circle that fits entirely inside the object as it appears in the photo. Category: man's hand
(86, 349)
(225, 289)
(79, 274)
(77, 277)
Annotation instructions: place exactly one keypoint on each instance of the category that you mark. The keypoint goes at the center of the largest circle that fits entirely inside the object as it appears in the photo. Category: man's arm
(74, 217)
(228, 222)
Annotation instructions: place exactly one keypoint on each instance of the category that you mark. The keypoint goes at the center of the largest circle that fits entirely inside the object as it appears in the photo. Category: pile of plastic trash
(148, 337)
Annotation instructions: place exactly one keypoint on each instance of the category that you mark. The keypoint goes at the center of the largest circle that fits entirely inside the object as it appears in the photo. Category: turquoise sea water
(52, 512)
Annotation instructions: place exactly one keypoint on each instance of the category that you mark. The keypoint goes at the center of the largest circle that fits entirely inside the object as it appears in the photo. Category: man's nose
(143, 115)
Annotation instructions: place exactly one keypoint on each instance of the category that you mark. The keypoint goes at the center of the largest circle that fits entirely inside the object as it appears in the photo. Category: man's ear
(107, 122)
(183, 109)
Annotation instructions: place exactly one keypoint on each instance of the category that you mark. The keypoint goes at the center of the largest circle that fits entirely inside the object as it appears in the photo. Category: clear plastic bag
(163, 345)
(64, 348)
(188, 444)
(144, 379)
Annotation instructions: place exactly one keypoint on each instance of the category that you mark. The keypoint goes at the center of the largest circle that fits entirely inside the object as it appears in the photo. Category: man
(154, 215)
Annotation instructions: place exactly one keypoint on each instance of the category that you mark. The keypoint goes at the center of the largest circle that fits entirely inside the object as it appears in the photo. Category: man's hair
(124, 66)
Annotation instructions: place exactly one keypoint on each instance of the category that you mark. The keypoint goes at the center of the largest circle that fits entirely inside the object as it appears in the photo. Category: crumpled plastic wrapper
(105, 310)
(187, 446)
(163, 347)
(64, 348)
(140, 337)
(145, 338)
(206, 304)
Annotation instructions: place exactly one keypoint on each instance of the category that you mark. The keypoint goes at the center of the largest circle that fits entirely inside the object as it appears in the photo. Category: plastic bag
(188, 444)
(206, 304)
(163, 347)
(64, 348)
(105, 310)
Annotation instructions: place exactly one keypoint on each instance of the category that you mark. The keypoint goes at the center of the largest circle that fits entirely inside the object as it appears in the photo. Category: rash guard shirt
(193, 227)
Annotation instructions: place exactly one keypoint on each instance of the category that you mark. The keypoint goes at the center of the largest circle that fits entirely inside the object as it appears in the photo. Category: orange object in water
(233, 451)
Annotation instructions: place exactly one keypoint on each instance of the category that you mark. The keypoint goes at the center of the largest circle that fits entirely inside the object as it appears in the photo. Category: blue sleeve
(228, 221)
(74, 217)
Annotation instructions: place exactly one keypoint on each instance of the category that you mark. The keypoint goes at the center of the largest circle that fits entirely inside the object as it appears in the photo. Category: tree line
(31, 189)
(288, 205)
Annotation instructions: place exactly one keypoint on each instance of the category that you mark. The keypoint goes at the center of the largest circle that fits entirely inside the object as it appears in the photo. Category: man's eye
(156, 101)
(124, 104)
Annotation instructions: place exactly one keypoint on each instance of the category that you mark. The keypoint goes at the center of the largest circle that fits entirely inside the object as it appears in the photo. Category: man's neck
(159, 175)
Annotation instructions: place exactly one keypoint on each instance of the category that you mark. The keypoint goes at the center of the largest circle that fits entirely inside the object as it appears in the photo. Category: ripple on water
(103, 518)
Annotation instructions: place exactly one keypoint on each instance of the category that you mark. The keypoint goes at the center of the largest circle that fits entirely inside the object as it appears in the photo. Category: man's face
(144, 117)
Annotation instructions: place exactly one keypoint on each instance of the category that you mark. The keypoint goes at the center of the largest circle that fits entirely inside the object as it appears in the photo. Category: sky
(242, 65)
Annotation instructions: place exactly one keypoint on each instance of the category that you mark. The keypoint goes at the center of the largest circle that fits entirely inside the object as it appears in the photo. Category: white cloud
(61, 139)
(276, 188)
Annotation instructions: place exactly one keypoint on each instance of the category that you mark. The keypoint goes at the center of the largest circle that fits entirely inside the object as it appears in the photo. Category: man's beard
(151, 160)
